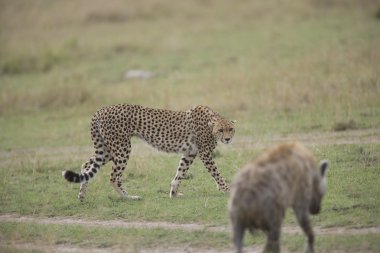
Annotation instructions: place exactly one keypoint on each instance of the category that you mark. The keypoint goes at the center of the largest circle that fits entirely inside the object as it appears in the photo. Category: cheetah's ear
(233, 121)
(324, 164)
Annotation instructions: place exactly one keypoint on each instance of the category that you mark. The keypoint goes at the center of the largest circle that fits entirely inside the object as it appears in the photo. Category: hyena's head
(319, 187)
(222, 129)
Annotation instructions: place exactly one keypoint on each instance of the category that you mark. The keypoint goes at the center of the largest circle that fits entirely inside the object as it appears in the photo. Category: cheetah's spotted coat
(192, 133)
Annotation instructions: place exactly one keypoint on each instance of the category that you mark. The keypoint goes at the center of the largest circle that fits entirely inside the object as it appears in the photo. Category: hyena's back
(284, 176)
(278, 179)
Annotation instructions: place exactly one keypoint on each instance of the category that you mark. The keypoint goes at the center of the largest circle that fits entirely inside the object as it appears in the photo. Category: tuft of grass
(44, 61)
(49, 99)
(343, 126)
(112, 17)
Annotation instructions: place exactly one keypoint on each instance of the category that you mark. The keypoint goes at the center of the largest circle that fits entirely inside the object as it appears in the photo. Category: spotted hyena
(285, 176)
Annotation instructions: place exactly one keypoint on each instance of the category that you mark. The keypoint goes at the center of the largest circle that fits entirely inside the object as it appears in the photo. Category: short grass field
(280, 68)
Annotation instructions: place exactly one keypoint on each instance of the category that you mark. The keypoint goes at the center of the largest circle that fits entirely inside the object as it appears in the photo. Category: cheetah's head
(222, 129)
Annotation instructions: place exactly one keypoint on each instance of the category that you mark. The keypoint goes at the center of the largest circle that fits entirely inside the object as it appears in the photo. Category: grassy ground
(277, 67)
(131, 240)
(35, 187)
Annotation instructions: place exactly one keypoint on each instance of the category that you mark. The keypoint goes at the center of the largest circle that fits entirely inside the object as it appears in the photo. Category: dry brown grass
(302, 59)
(52, 98)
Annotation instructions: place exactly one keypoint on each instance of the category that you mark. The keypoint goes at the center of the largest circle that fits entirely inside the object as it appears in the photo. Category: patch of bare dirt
(63, 248)
(66, 248)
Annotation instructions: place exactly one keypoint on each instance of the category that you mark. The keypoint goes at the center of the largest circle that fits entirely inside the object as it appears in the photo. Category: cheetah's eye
(220, 130)
(231, 129)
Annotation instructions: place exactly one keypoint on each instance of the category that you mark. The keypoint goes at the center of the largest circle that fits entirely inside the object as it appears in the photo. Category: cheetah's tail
(74, 177)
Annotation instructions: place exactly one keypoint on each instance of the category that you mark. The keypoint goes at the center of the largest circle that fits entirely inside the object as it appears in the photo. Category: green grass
(353, 186)
(276, 67)
(33, 186)
(334, 243)
(132, 240)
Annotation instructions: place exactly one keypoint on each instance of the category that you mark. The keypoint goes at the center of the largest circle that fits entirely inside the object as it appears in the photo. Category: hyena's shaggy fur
(285, 176)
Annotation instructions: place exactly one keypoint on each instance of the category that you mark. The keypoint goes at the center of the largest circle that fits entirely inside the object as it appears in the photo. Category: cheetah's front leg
(209, 163)
(182, 169)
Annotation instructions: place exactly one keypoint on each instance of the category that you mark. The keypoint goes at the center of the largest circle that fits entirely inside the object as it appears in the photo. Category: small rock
(138, 74)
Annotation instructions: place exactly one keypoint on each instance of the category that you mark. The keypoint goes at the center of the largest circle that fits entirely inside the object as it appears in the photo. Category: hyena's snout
(315, 208)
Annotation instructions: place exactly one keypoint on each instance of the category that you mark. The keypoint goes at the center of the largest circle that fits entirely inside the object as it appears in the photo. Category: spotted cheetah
(192, 133)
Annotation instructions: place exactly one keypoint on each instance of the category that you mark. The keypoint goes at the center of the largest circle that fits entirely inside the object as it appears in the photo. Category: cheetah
(286, 175)
(192, 133)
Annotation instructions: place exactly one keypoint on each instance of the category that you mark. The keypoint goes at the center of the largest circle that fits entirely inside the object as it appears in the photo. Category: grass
(277, 67)
(297, 67)
(131, 240)
(36, 187)
(335, 243)
(353, 175)
(33, 186)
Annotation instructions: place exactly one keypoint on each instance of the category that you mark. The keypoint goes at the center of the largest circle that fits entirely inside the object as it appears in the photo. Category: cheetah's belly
(183, 144)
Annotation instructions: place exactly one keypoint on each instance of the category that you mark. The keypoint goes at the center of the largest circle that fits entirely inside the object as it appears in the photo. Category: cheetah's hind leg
(89, 170)
(117, 171)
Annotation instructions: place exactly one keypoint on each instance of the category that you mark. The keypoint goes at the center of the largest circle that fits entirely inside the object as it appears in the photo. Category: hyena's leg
(120, 154)
(238, 236)
(182, 169)
(212, 169)
(304, 221)
(273, 240)
(101, 157)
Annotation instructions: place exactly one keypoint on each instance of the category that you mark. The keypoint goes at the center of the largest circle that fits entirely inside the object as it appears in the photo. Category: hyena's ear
(323, 165)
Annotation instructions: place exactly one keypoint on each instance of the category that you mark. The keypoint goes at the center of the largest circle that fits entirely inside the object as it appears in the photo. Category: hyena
(285, 176)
